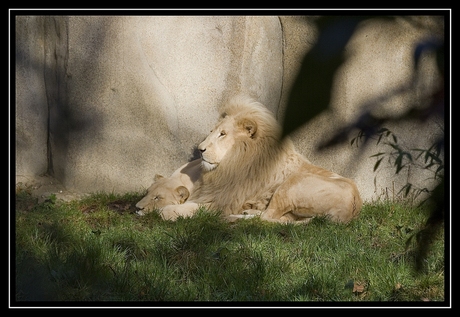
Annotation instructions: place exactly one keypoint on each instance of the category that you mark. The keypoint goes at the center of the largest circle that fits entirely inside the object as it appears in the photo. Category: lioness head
(217, 144)
(161, 193)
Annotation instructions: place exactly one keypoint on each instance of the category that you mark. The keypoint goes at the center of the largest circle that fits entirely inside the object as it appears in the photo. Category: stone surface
(31, 109)
(103, 103)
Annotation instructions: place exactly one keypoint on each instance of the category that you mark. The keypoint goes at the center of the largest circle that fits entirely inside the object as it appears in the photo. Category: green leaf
(378, 154)
(427, 156)
(377, 164)
(408, 188)
(398, 164)
(408, 155)
(395, 146)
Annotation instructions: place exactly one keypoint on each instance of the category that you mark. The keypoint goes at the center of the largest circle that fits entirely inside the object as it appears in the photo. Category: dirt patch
(43, 187)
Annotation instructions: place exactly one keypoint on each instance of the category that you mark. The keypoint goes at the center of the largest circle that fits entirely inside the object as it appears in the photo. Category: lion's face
(162, 192)
(222, 138)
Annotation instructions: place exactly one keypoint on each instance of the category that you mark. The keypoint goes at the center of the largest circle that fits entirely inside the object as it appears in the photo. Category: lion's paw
(172, 212)
(169, 213)
(253, 212)
(233, 218)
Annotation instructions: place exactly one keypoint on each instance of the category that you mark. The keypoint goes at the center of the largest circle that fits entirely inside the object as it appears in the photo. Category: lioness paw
(172, 212)
(168, 213)
(233, 218)
(253, 212)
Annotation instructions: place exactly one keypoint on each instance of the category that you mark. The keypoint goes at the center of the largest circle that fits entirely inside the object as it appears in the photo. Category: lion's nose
(201, 148)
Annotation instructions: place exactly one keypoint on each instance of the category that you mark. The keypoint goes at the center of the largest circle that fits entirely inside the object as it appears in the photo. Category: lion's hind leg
(304, 196)
(280, 206)
(286, 205)
(288, 217)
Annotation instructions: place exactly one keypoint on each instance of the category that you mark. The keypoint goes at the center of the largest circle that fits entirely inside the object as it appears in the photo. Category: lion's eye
(222, 133)
(156, 198)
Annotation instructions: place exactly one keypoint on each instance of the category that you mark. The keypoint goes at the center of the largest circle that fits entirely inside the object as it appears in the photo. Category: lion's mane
(254, 167)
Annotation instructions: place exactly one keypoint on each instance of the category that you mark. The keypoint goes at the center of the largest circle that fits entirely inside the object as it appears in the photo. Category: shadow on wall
(46, 60)
(313, 87)
(68, 117)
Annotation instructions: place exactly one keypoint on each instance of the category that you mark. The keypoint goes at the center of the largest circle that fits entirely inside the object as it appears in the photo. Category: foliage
(430, 159)
(98, 250)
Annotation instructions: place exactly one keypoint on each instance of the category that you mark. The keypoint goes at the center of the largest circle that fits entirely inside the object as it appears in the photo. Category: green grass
(98, 249)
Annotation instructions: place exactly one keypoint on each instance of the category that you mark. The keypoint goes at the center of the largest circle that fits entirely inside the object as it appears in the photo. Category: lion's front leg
(172, 212)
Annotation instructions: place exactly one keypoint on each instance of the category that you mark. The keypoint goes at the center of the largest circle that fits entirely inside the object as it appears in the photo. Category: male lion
(245, 165)
(171, 190)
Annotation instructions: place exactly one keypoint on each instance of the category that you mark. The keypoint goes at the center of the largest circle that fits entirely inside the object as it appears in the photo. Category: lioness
(245, 164)
(172, 190)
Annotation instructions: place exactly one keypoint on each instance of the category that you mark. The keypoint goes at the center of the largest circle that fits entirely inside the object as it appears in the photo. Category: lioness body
(171, 190)
(244, 164)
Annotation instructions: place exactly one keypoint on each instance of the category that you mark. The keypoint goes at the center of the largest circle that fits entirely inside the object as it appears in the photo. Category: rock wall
(105, 102)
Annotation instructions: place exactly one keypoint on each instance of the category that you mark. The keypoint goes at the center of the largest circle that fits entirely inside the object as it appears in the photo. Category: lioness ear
(183, 193)
(249, 126)
(157, 177)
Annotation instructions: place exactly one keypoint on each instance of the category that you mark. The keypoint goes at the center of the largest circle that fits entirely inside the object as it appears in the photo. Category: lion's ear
(157, 177)
(183, 193)
(250, 127)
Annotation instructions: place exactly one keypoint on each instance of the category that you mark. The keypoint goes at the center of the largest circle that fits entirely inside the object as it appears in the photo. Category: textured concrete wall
(104, 103)
(31, 102)
(379, 61)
